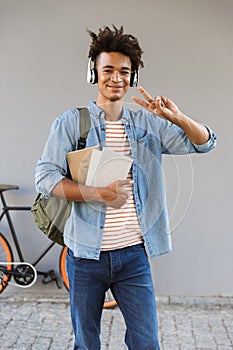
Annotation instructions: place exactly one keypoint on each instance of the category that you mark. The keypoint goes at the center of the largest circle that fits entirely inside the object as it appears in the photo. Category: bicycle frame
(5, 212)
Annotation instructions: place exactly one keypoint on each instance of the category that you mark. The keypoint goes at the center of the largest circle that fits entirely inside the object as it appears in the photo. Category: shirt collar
(97, 111)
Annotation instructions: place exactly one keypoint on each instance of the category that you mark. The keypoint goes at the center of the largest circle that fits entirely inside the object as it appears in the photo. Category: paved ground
(29, 321)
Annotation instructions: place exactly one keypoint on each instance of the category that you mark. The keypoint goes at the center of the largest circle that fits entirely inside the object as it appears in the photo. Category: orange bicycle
(25, 273)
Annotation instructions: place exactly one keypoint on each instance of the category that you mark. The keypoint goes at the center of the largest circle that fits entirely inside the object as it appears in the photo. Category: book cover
(78, 162)
(107, 166)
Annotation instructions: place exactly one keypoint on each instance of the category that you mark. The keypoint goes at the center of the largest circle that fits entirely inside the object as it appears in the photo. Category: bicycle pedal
(58, 283)
(49, 277)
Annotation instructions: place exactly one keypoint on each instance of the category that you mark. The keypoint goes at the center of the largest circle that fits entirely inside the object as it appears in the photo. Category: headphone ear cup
(134, 79)
(94, 76)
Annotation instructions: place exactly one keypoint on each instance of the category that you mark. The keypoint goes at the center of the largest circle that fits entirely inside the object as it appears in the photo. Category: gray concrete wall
(188, 57)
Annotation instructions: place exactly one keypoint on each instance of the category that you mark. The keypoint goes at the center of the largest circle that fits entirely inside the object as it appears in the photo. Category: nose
(116, 77)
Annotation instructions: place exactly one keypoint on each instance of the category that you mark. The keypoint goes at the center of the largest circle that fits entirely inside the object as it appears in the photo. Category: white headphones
(92, 75)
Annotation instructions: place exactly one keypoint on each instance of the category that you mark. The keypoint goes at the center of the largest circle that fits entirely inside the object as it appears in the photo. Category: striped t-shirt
(121, 225)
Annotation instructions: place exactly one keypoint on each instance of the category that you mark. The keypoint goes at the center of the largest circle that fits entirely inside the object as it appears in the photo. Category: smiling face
(114, 72)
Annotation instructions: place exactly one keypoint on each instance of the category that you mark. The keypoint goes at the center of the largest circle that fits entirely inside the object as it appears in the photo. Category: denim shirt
(150, 137)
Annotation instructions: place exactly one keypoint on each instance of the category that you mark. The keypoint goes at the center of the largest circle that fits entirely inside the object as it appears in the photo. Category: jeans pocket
(71, 256)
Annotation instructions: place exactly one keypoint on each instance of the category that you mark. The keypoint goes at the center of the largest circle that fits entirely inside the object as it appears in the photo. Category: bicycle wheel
(109, 300)
(6, 258)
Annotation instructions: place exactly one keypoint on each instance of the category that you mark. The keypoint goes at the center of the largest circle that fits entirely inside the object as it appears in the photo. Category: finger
(123, 191)
(140, 102)
(145, 94)
(162, 100)
(121, 185)
(125, 182)
(159, 104)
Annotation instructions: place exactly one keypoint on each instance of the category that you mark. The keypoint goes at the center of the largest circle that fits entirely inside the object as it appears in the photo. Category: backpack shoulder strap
(84, 125)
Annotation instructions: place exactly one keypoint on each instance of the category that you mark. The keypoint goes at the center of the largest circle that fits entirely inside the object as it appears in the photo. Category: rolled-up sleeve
(46, 178)
(209, 145)
(175, 141)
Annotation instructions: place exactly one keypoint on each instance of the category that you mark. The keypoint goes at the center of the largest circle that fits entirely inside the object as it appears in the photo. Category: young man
(113, 230)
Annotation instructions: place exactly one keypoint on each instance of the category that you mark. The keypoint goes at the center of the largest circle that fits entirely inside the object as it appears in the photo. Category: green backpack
(50, 214)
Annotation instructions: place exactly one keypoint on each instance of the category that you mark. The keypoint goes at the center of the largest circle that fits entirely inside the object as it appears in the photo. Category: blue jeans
(127, 273)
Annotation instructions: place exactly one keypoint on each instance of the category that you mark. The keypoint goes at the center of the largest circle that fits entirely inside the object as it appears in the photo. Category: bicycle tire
(6, 256)
(110, 302)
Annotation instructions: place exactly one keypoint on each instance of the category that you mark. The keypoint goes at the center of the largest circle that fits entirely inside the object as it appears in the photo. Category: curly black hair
(115, 40)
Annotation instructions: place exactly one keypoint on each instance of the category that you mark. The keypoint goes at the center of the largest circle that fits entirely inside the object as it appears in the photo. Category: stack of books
(98, 168)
